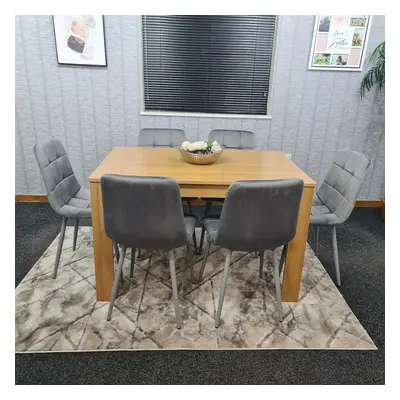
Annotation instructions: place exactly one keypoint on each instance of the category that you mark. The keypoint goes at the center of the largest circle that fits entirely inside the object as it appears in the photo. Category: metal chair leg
(116, 250)
(336, 255)
(174, 289)
(316, 240)
(203, 263)
(277, 284)
(203, 230)
(261, 263)
(283, 259)
(190, 260)
(75, 233)
(194, 242)
(60, 245)
(133, 251)
(223, 288)
(189, 203)
(115, 284)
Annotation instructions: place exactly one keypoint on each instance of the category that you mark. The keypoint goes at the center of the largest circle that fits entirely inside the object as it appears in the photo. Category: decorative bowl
(199, 158)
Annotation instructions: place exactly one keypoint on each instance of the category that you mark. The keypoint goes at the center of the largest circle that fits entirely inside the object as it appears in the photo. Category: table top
(233, 165)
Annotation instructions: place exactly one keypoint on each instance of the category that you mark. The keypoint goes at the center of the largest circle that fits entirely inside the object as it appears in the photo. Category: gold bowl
(199, 158)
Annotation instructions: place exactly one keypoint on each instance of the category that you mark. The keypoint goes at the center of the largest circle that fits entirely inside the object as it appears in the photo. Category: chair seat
(321, 215)
(78, 206)
(212, 226)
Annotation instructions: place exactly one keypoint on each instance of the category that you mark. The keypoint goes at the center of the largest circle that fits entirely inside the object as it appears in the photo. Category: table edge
(306, 185)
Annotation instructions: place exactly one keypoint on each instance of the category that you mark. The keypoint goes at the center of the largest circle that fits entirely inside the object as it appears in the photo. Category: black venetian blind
(207, 64)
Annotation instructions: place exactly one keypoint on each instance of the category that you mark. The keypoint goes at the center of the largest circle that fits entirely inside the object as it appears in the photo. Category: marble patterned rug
(62, 314)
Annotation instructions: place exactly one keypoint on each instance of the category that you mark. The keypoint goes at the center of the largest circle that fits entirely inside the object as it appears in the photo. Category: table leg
(102, 246)
(296, 250)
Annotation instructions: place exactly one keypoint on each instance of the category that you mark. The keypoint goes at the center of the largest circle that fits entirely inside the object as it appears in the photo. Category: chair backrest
(143, 212)
(57, 173)
(233, 139)
(260, 215)
(342, 184)
(155, 137)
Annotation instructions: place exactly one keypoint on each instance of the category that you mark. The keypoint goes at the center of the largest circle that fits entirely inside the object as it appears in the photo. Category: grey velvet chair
(256, 216)
(335, 199)
(135, 217)
(233, 139)
(65, 194)
(229, 139)
(160, 137)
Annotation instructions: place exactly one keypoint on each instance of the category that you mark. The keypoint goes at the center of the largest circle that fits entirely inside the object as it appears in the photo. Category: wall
(93, 109)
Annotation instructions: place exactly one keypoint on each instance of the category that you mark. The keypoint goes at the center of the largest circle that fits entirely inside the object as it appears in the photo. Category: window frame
(144, 112)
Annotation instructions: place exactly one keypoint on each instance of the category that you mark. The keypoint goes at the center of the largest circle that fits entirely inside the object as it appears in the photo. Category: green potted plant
(375, 78)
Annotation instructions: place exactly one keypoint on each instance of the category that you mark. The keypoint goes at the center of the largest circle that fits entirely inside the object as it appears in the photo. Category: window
(216, 64)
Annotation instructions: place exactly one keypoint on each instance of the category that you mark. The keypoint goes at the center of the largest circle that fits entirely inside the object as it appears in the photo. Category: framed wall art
(80, 39)
(339, 42)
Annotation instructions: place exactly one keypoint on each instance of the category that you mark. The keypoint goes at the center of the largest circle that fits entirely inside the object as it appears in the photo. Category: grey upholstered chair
(160, 137)
(256, 216)
(65, 194)
(229, 139)
(335, 199)
(233, 139)
(135, 217)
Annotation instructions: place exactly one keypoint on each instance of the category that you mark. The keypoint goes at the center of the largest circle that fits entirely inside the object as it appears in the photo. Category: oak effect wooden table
(199, 181)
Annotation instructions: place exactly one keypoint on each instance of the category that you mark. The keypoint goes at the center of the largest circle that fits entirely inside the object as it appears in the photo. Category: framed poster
(339, 42)
(80, 39)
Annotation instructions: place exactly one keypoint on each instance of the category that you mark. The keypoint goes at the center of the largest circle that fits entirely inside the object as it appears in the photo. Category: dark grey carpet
(362, 258)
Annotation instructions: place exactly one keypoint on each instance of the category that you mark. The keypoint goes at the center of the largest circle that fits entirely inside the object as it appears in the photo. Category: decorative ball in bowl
(201, 152)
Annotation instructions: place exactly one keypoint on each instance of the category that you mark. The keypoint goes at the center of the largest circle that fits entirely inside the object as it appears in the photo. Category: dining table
(200, 181)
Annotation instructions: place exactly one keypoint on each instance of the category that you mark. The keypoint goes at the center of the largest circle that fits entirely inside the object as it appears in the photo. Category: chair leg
(115, 284)
(75, 233)
(336, 255)
(174, 289)
(116, 250)
(203, 230)
(277, 284)
(223, 288)
(194, 242)
(261, 263)
(60, 245)
(189, 203)
(203, 263)
(190, 260)
(283, 259)
(139, 254)
(208, 207)
(133, 251)
(316, 240)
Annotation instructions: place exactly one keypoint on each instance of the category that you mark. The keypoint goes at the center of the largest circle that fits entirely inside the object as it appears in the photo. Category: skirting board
(31, 198)
(42, 198)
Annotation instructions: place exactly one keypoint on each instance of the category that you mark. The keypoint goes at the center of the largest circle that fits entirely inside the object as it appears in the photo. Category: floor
(361, 243)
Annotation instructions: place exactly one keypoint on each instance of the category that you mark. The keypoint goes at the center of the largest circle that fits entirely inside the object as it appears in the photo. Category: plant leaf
(375, 76)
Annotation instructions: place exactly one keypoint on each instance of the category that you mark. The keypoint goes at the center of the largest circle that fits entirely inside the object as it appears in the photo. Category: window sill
(202, 115)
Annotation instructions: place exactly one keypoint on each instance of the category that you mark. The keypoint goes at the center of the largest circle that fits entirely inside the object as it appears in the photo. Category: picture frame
(339, 42)
(80, 40)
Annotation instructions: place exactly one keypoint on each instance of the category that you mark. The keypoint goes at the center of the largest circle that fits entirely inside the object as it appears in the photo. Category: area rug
(62, 314)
